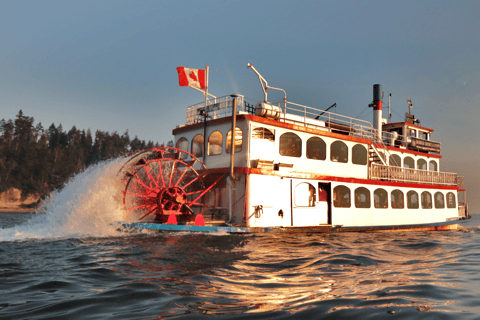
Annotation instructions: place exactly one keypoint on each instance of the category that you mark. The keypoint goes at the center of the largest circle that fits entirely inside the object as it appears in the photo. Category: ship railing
(215, 108)
(461, 182)
(344, 125)
(308, 117)
(398, 174)
(335, 122)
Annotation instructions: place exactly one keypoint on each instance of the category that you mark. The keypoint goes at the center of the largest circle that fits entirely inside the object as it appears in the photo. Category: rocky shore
(11, 201)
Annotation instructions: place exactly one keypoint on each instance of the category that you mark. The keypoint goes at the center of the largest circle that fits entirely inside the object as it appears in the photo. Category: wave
(88, 205)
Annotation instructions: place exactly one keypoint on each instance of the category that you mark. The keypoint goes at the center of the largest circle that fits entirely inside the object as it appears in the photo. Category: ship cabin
(298, 166)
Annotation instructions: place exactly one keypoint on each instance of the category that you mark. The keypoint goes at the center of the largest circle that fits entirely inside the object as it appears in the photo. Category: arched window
(339, 152)
(182, 143)
(408, 162)
(197, 146)
(290, 145)
(341, 197)
(432, 166)
(412, 200)
(359, 154)
(421, 164)
(382, 154)
(380, 199)
(238, 140)
(426, 200)
(451, 203)
(397, 199)
(215, 142)
(305, 195)
(395, 161)
(362, 197)
(316, 149)
(263, 133)
(439, 200)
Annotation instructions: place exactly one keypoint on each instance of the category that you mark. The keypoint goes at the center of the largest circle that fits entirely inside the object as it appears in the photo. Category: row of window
(215, 143)
(291, 146)
(409, 162)
(342, 199)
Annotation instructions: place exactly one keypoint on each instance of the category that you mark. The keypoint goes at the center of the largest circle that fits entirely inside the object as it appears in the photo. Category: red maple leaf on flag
(192, 76)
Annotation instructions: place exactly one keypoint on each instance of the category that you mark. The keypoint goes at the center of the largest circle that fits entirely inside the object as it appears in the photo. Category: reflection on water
(397, 273)
(302, 276)
(71, 262)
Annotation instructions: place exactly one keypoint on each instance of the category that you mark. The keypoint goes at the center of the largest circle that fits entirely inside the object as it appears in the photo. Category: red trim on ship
(410, 151)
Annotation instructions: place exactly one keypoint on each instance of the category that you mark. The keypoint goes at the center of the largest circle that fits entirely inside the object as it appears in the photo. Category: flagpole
(206, 84)
(205, 143)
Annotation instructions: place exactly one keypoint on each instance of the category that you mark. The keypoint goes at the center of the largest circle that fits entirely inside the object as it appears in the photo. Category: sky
(111, 65)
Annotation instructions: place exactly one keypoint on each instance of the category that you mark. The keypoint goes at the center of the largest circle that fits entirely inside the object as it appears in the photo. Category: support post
(231, 178)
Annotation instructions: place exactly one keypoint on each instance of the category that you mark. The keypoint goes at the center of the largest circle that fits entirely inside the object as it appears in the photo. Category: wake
(88, 205)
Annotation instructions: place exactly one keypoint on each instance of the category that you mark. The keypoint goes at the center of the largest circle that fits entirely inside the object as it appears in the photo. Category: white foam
(88, 205)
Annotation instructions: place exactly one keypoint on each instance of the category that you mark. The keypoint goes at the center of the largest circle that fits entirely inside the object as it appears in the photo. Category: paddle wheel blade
(161, 184)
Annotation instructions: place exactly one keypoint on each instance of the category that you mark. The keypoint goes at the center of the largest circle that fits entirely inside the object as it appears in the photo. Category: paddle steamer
(294, 168)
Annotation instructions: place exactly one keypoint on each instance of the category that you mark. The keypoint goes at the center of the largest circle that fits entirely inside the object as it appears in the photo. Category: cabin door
(309, 204)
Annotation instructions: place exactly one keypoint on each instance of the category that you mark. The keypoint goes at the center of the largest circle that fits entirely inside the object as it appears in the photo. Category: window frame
(396, 158)
(310, 147)
(437, 203)
(312, 197)
(425, 196)
(409, 202)
(423, 162)
(295, 152)
(184, 155)
(257, 135)
(194, 145)
(407, 159)
(346, 203)
(447, 200)
(211, 147)
(382, 202)
(238, 147)
(362, 204)
(340, 159)
(400, 201)
(359, 152)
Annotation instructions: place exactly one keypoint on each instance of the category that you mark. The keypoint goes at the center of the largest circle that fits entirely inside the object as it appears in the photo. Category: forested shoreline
(37, 161)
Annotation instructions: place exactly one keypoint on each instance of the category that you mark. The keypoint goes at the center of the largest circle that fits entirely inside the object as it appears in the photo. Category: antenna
(389, 113)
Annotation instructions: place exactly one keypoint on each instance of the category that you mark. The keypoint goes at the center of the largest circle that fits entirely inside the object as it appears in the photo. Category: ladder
(375, 155)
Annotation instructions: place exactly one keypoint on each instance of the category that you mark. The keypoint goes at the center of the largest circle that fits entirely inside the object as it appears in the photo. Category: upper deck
(387, 145)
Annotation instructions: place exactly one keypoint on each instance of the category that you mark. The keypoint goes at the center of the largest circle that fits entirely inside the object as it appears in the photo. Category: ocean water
(71, 263)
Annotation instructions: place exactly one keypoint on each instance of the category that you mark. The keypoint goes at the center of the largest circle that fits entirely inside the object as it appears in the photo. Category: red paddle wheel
(162, 185)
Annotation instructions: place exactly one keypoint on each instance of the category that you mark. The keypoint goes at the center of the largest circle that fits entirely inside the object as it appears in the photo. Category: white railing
(301, 115)
(461, 182)
(334, 121)
(216, 108)
(353, 127)
(397, 174)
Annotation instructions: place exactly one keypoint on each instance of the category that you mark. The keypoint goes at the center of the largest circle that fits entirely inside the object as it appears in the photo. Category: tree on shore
(38, 161)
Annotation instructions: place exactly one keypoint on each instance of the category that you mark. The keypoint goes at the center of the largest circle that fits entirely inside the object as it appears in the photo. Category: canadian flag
(191, 77)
